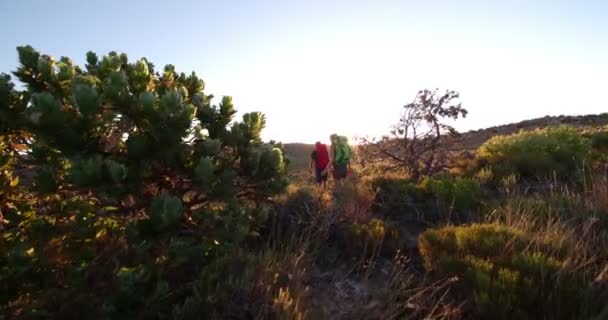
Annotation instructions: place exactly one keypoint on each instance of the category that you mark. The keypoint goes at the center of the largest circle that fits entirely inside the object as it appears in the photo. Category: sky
(317, 67)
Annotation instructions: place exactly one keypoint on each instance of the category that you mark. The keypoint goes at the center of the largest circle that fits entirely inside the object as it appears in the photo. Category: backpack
(342, 151)
(322, 156)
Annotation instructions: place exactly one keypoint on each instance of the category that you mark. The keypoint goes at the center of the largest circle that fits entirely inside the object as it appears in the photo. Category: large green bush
(131, 179)
(543, 153)
(511, 275)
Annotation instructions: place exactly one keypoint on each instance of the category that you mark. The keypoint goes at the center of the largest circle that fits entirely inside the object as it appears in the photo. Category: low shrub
(598, 138)
(369, 238)
(464, 164)
(511, 274)
(353, 201)
(299, 211)
(395, 196)
(268, 284)
(430, 200)
(599, 153)
(64, 255)
(556, 151)
(460, 194)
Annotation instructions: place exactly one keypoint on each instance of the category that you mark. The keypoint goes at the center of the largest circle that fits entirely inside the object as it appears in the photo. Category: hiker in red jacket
(319, 158)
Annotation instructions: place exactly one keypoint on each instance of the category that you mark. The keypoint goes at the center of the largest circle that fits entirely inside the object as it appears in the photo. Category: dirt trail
(358, 290)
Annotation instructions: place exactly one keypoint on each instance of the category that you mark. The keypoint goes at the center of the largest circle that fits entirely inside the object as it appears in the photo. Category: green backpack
(342, 151)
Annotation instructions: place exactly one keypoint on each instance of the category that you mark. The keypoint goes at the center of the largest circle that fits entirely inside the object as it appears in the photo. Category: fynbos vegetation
(127, 193)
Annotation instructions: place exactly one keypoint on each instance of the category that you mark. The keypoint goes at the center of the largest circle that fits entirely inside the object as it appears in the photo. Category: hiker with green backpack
(340, 156)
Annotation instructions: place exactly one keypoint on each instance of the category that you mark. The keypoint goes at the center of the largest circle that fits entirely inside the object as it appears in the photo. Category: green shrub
(353, 200)
(134, 181)
(299, 208)
(540, 153)
(599, 138)
(599, 143)
(395, 195)
(461, 194)
(244, 284)
(434, 198)
(368, 238)
(508, 278)
(165, 215)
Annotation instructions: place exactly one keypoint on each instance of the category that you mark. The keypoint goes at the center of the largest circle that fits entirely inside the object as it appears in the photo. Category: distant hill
(471, 140)
(299, 153)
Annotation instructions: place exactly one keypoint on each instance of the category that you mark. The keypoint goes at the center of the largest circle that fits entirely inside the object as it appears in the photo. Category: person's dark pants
(340, 171)
(320, 175)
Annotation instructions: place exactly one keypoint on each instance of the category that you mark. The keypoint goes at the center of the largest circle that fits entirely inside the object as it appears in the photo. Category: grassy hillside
(471, 140)
(299, 153)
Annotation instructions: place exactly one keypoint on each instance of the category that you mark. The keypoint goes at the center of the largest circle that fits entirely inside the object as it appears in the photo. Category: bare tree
(418, 141)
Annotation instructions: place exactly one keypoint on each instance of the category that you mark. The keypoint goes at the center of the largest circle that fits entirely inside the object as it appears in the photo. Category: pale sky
(317, 67)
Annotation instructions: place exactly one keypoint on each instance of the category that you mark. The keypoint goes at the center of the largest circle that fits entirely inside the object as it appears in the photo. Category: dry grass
(354, 200)
(367, 287)
(575, 221)
(293, 283)
(393, 291)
